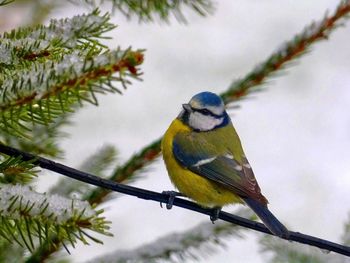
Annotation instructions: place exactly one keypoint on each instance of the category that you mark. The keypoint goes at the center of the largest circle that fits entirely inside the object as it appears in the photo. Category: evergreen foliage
(152, 10)
(44, 138)
(15, 171)
(5, 2)
(98, 163)
(284, 251)
(32, 219)
(47, 72)
(196, 243)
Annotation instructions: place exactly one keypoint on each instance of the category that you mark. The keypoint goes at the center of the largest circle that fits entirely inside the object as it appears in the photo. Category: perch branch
(163, 198)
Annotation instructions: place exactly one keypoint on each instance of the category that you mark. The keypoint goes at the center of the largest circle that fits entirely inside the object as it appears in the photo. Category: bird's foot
(215, 214)
(172, 195)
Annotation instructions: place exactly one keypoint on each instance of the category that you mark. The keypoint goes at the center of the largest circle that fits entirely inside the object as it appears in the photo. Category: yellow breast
(205, 192)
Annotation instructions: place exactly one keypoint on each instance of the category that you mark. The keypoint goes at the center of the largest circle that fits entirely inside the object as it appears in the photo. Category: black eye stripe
(206, 112)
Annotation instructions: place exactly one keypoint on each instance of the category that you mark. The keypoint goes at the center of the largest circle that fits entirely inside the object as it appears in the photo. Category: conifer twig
(163, 198)
(346, 235)
(288, 52)
(284, 251)
(31, 219)
(150, 10)
(5, 2)
(96, 164)
(194, 243)
(126, 171)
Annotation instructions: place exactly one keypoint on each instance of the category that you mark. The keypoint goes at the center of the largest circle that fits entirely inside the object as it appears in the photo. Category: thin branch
(163, 198)
(288, 52)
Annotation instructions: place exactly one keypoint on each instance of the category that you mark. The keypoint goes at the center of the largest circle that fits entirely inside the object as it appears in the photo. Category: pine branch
(5, 2)
(96, 164)
(195, 243)
(43, 138)
(36, 11)
(40, 10)
(77, 81)
(46, 71)
(238, 89)
(32, 219)
(163, 198)
(126, 172)
(151, 10)
(284, 251)
(141, 157)
(100, 161)
(288, 52)
(10, 252)
(13, 170)
(23, 46)
(346, 235)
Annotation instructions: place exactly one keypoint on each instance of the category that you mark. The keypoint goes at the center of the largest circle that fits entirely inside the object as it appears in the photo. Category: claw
(172, 195)
(215, 214)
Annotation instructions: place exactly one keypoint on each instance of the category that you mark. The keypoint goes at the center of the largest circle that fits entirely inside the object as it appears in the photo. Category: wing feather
(218, 164)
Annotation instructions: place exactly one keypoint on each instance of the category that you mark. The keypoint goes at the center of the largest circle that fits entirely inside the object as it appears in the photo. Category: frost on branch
(45, 71)
(32, 219)
(287, 52)
(30, 44)
(286, 251)
(195, 243)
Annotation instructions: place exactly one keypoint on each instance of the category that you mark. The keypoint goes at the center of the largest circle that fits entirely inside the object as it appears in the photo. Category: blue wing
(201, 157)
(218, 164)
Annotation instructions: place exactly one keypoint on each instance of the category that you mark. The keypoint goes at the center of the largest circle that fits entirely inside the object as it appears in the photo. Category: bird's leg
(215, 214)
(172, 195)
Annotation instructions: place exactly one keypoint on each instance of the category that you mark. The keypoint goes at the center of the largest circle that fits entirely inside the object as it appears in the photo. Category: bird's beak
(187, 107)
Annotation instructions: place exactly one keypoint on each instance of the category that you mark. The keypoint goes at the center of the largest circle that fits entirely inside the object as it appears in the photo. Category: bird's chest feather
(203, 191)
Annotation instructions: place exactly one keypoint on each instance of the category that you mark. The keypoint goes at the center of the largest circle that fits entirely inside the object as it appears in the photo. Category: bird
(206, 162)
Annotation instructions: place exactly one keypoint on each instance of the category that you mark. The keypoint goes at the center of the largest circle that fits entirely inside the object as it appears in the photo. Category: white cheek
(203, 122)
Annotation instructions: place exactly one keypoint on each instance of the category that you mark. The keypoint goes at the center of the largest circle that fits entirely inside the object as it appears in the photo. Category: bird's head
(204, 112)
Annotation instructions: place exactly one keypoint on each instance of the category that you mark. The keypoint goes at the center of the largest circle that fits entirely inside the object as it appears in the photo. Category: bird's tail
(269, 220)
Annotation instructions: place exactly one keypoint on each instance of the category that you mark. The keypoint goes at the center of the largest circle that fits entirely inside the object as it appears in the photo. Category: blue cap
(207, 98)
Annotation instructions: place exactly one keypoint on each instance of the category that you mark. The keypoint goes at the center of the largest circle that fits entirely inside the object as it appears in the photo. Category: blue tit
(206, 163)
